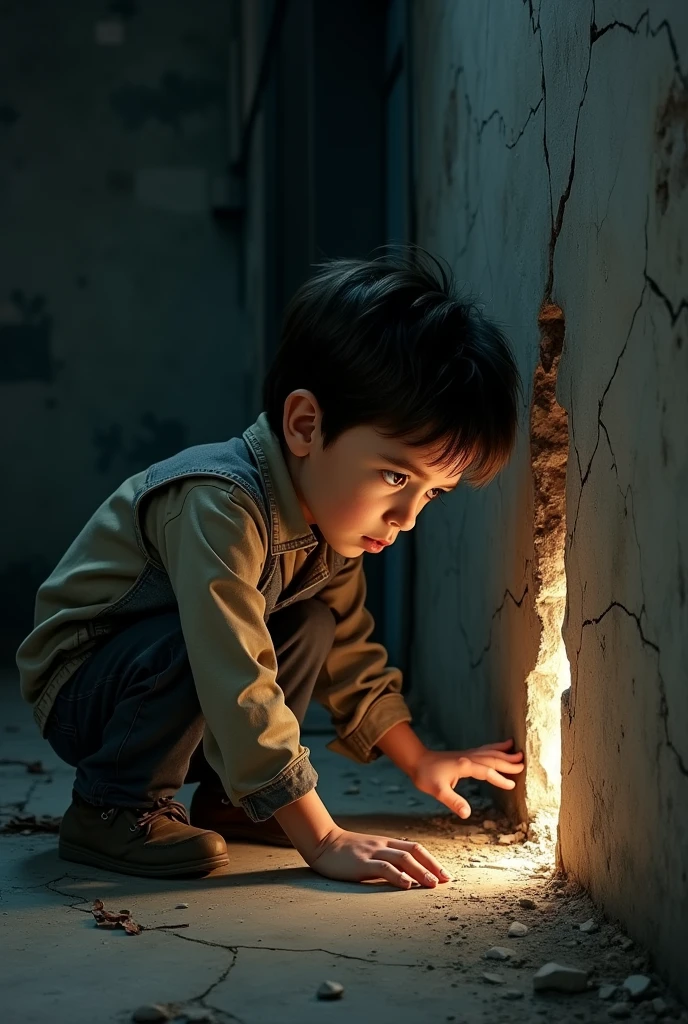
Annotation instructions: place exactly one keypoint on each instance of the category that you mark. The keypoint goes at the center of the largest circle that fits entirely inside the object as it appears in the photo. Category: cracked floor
(264, 934)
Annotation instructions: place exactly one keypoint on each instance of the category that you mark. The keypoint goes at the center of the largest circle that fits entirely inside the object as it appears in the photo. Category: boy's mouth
(374, 546)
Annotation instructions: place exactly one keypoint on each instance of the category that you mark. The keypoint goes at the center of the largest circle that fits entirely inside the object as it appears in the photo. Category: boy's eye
(401, 477)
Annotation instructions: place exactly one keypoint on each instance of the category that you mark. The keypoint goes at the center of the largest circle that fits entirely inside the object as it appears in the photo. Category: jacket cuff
(359, 745)
(294, 782)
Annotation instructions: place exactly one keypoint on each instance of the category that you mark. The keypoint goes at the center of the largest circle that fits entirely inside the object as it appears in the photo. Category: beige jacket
(209, 539)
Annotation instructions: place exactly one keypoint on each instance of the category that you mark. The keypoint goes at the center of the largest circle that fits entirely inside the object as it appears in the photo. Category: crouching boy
(214, 594)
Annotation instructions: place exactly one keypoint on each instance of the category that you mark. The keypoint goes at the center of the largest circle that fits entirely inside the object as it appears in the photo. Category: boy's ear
(301, 421)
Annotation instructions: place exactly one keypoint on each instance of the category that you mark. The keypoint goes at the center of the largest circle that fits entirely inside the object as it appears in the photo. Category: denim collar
(290, 531)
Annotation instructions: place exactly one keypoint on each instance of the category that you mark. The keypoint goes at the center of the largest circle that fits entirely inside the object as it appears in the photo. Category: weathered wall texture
(121, 335)
(552, 167)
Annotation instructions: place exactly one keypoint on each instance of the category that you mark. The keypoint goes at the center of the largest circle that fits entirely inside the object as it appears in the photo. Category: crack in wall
(664, 708)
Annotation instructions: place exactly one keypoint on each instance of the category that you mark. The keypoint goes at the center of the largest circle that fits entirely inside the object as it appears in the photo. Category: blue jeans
(129, 719)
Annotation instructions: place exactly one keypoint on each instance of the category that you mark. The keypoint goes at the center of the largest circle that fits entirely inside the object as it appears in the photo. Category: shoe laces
(164, 807)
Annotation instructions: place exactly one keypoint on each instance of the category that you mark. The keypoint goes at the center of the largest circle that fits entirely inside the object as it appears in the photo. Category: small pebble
(498, 953)
(330, 990)
(182, 906)
(637, 985)
(150, 1013)
(453, 917)
(560, 978)
(512, 993)
(527, 903)
(659, 1006)
(517, 930)
(639, 963)
(620, 1011)
(589, 926)
(607, 991)
(490, 826)
(626, 944)
(493, 979)
(480, 840)
(509, 838)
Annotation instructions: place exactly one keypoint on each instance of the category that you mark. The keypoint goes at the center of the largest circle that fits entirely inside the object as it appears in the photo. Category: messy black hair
(385, 342)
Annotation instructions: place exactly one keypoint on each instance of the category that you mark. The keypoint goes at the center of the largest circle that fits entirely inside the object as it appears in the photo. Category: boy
(208, 599)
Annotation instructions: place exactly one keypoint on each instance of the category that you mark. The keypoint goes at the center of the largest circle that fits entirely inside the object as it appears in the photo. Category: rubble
(607, 991)
(330, 990)
(492, 979)
(479, 840)
(558, 978)
(512, 993)
(637, 985)
(589, 926)
(517, 930)
(151, 1013)
(498, 953)
(509, 838)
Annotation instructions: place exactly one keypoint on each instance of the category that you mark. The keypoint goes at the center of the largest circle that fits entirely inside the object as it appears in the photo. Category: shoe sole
(79, 855)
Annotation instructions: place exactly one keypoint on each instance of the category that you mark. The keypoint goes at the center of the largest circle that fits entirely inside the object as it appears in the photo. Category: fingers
(393, 875)
(411, 864)
(418, 853)
(498, 763)
(489, 751)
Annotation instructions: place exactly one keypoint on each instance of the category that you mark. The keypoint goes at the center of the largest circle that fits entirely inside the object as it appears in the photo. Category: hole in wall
(551, 676)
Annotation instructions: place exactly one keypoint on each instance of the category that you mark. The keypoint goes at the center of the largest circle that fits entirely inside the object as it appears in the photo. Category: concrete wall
(552, 165)
(121, 332)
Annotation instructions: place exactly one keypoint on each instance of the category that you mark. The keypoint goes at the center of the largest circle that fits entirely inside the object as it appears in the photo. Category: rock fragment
(512, 993)
(181, 906)
(151, 1013)
(498, 953)
(589, 926)
(489, 825)
(330, 990)
(527, 903)
(619, 1011)
(517, 930)
(659, 1006)
(480, 840)
(509, 838)
(637, 985)
(607, 991)
(492, 979)
(559, 978)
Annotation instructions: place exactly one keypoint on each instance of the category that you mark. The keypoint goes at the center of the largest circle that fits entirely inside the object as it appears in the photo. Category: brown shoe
(155, 843)
(212, 809)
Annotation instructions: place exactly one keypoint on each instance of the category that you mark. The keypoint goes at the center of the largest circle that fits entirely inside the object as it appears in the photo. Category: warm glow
(551, 674)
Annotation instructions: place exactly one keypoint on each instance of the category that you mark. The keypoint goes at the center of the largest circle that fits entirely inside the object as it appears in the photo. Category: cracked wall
(552, 167)
(113, 272)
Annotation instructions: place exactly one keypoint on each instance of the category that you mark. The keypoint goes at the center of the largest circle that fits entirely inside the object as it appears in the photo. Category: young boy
(211, 596)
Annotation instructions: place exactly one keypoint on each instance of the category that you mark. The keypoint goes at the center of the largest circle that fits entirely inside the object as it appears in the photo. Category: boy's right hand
(359, 857)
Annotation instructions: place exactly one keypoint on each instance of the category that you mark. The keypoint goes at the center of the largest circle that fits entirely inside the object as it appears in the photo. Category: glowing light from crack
(551, 675)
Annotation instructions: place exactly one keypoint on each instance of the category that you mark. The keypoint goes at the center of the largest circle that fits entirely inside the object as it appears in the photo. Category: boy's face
(364, 488)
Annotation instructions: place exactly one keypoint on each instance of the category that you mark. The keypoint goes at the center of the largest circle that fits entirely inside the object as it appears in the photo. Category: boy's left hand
(438, 771)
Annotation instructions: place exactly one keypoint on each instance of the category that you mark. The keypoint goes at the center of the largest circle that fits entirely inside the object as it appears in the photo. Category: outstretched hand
(437, 772)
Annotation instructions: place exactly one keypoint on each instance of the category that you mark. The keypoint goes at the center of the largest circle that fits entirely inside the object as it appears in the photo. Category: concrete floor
(263, 935)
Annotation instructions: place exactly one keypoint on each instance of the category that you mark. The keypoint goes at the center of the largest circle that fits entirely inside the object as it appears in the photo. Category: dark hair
(385, 342)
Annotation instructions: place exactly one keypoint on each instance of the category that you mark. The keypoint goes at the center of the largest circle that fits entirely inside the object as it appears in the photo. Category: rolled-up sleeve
(356, 685)
(212, 543)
